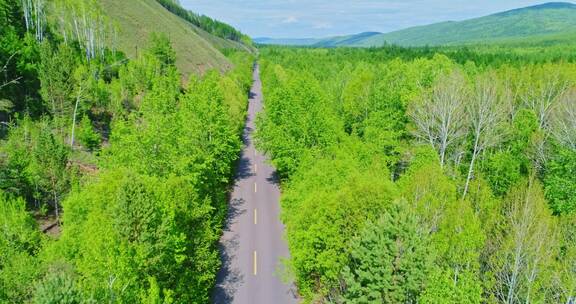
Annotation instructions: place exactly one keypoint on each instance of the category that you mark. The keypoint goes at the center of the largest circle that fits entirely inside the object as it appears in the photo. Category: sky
(324, 18)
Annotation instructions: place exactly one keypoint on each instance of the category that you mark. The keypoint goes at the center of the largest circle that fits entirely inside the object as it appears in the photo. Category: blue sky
(321, 18)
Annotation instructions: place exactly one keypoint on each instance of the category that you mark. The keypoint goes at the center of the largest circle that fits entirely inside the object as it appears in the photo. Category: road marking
(255, 188)
(255, 168)
(255, 263)
(255, 216)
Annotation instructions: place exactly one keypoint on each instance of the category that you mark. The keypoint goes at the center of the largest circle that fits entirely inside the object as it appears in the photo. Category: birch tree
(82, 77)
(563, 126)
(8, 81)
(543, 92)
(35, 17)
(526, 248)
(84, 22)
(485, 112)
(440, 118)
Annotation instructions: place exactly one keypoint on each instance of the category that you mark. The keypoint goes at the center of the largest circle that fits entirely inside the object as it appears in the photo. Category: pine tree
(389, 261)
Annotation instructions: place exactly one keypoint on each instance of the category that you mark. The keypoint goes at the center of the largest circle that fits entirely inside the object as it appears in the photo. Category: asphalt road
(252, 245)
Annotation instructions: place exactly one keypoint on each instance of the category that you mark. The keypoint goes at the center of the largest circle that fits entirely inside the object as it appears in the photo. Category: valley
(151, 152)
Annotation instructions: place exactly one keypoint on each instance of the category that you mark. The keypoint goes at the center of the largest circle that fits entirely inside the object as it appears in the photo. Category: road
(252, 245)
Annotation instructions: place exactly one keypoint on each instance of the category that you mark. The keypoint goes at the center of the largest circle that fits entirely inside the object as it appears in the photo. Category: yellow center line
(255, 188)
(255, 216)
(255, 263)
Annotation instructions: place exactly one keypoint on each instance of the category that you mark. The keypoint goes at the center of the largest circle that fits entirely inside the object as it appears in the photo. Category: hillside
(535, 22)
(347, 40)
(318, 42)
(546, 19)
(287, 41)
(196, 50)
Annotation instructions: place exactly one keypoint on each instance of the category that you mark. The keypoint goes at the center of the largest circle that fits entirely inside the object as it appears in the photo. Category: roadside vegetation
(425, 175)
(113, 175)
(409, 175)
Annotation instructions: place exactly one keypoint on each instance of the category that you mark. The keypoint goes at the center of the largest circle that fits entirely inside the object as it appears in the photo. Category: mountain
(287, 41)
(346, 40)
(545, 19)
(318, 42)
(538, 22)
(196, 49)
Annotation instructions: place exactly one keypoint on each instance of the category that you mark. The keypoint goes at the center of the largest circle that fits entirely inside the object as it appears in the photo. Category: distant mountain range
(535, 21)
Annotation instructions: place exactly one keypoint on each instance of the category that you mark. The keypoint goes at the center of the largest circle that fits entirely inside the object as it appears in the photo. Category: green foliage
(143, 226)
(19, 61)
(505, 168)
(297, 121)
(446, 286)
(162, 50)
(503, 171)
(58, 287)
(370, 214)
(36, 163)
(48, 166)
(159, 229)
(56, 75)
(332, 197)
(87, 136)
(20, 241)
(358, 100)
(560, 181)
(389, 260)
(525, 248)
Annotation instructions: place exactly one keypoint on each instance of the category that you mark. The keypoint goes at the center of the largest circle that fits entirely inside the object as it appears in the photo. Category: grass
(197, 51)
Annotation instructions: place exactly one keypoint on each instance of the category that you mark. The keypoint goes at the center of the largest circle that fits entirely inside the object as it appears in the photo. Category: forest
(113, 171)
(408, 175)
(432, 175)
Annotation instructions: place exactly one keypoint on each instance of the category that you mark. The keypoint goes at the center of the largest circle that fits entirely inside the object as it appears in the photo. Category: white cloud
(322, 25)
(321, 18)
(290, 19)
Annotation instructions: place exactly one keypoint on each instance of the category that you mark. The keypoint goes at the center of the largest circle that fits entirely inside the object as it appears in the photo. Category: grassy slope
(197, 51)
(516, 24)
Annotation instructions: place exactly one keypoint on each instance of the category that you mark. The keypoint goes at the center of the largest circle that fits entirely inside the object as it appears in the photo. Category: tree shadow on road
(274, 179)
(244, 167)
(229, 278)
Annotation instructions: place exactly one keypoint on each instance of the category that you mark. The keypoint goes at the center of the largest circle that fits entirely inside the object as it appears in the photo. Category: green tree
(526, 246)
(56, 74)
(20, 241)
(560, 181)
(297, 120)
(87, 136)
(58, 287)
(48, 167)
(162, 50)
(328, 200)
(389, 260)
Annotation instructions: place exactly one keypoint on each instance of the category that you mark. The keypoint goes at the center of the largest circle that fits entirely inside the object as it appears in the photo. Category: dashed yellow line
(255, 263)
(255, 216)
(255, 188)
